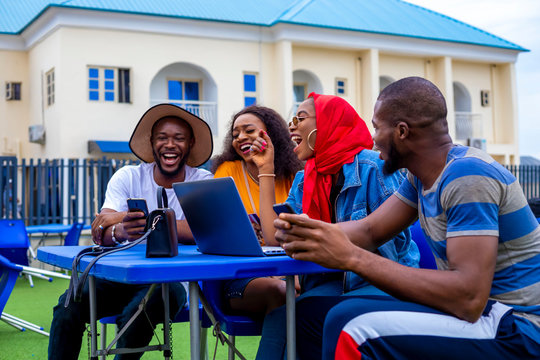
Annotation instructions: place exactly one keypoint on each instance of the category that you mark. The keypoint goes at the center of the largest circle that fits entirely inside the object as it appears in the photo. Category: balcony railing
(206, 110)
(468, 125)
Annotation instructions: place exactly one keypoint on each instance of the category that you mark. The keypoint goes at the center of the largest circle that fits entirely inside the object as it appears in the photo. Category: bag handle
(76, 284)
(162, 200)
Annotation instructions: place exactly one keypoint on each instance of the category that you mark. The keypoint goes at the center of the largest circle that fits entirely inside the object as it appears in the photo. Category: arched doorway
(462, 109)
(304, 82)
(189, 86)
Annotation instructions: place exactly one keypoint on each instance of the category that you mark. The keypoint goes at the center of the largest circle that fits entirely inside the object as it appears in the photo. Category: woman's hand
(262, 153)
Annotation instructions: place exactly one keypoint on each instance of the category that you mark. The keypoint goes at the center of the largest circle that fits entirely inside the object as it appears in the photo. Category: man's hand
(106, 218)
(313, 240)
(133, 225)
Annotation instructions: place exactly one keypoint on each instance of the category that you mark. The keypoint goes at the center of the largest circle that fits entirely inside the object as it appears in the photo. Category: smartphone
(137, 205)
(254, 218)
(283, 207)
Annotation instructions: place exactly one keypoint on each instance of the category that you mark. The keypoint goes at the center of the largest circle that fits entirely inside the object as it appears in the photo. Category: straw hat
(140, 139)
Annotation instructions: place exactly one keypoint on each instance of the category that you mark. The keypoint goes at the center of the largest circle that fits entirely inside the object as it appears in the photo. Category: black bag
(163, 240)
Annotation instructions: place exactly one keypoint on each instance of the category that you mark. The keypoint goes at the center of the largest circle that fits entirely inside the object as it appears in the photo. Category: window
(186, 90)
(13, 91)
(250, 89)
(299, 91)
(341, 87)
(49, 80)
(109, 84)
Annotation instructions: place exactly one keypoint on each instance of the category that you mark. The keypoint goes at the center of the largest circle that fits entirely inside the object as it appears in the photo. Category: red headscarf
(341, 134)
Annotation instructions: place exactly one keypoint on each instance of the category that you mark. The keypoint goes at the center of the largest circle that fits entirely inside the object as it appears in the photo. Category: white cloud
(517, 21)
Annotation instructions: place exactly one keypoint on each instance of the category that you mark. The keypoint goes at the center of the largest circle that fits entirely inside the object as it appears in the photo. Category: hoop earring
(312, 148)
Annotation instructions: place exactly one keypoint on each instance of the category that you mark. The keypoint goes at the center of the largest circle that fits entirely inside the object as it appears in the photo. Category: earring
(308, 137)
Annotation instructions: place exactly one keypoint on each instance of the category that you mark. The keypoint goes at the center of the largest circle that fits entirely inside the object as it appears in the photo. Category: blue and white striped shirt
(474, 195)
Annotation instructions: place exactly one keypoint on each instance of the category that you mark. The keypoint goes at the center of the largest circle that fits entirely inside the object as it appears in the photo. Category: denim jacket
(365, 188)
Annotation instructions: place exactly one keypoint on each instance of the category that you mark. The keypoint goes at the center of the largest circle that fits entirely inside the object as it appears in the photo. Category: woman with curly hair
(258, 155)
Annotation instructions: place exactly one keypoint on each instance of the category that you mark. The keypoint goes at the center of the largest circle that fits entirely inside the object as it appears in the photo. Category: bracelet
(267, 175)
(112, 235)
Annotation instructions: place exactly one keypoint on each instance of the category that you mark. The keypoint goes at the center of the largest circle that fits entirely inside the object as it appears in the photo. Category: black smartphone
(283, 207)
(137, 205)
(254, 218)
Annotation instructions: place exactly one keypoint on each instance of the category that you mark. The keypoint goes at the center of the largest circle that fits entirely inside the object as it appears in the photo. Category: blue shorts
(380, 327)
(235, 288)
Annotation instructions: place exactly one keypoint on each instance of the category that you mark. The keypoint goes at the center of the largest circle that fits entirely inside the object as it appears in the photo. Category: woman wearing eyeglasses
(258, 156)
(343, 180)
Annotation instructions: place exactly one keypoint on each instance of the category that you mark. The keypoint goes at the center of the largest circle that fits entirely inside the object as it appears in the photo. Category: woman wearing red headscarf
(343, 180)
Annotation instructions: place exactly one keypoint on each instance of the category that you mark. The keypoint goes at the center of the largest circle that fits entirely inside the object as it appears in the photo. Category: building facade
(78, 75)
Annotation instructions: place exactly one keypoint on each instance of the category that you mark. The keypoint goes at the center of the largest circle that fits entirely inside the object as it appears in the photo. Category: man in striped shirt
(484, 298)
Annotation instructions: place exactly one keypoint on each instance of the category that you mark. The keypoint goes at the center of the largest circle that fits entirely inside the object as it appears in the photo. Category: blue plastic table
(46, 229)
(132, 267)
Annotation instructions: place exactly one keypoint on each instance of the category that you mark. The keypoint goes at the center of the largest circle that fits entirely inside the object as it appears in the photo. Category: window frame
(343, 87)
(305, 85)
(183, 81)
(111, 85)
(250, 94)
(13, 90)
(50, 87)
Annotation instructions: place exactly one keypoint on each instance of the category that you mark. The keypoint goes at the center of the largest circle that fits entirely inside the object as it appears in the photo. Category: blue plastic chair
(427, 260)
(14, 244)
(232, 325)
(73, 235)
(14, 241)
(8, 276)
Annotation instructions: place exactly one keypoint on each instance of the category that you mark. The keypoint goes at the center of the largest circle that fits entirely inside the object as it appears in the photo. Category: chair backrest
(73, 235)
(14, 241)
(427, 260)
(8, 276)
(235, 325)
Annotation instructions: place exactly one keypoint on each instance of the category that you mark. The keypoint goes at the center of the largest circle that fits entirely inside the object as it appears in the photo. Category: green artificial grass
(35, 305)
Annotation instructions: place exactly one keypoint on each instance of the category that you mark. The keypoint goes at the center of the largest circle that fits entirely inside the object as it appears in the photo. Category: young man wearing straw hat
(171, 142)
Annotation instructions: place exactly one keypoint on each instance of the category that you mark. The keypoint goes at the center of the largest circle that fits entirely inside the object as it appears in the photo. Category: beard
(174, 172)
(393, 163)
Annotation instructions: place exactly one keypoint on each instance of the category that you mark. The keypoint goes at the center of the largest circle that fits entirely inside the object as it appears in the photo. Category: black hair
(286, 164)
(416, 101)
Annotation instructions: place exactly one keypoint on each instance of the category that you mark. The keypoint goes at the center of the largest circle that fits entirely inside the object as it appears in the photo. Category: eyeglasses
(298, 119)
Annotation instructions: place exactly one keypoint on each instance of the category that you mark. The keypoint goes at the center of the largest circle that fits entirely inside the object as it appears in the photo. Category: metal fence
(54, 191)
(69, 190)
(529, 178)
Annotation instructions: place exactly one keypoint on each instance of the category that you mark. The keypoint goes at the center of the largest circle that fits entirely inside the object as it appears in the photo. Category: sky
(517, 21)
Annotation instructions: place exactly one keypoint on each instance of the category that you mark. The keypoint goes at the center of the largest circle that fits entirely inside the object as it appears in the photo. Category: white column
(368, 81)
(442, 77)
(284, 77)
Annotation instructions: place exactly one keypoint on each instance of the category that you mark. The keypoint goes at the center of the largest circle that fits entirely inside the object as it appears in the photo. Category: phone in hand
(137, 205)
(283, 207)
(254, 218)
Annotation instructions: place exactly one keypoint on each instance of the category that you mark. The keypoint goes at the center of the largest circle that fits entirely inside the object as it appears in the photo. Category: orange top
(234, 169)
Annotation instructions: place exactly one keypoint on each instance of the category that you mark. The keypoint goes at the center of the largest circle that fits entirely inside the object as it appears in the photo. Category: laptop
(218, 220)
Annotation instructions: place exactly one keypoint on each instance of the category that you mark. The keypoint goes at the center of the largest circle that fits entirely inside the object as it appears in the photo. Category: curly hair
(286, 164)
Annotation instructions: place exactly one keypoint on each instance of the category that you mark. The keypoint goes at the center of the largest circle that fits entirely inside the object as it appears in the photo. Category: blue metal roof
(391, 17)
